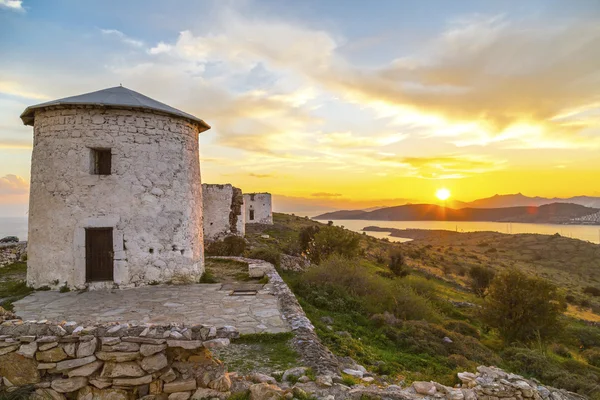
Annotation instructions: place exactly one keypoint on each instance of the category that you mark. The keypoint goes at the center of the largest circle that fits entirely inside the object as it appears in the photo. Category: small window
(251, 215)
(252, 197)
(101, 162)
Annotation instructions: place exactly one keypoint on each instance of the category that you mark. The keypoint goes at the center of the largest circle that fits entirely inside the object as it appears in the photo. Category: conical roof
(116, 97)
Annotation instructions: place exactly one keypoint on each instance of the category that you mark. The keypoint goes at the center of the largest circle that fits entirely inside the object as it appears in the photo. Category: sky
(345, 104)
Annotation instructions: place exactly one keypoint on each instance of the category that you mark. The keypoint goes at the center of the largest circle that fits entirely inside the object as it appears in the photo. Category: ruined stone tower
(116, 198)
(259, 208)
(223, 211)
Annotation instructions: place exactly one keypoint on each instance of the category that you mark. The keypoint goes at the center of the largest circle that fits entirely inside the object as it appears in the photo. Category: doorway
(99, 254)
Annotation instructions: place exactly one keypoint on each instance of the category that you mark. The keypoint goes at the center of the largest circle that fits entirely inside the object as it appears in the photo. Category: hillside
(520, 200)
(427, 325)
(551, 213)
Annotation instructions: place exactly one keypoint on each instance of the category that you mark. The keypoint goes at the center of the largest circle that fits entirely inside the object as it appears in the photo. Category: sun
(442, 194)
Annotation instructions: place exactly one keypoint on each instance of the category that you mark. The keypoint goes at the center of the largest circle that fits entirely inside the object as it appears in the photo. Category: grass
(222, 270)
(261, 352)
(20, 393)
(13, 286)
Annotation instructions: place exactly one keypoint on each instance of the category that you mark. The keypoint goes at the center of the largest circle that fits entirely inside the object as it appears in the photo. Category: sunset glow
(306, 105)
(442, 194)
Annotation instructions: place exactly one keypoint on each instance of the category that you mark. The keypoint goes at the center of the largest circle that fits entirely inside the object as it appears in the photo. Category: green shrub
(230, 246)
(583, 336)
(397, 264)
(267, 254)
(333, 240)
(592, 356)
(592, 291)
(481, 277)
(306, 236)
(560, 350)
(523, 308)
(208, 277)
(462, 327)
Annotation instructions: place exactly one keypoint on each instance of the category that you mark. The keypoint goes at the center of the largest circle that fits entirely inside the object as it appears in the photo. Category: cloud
(15, 89)
(122, 37)
(349, 139)
(324, 194)
(446, 166)
(15, 5)
(13, 185)
(261, 176)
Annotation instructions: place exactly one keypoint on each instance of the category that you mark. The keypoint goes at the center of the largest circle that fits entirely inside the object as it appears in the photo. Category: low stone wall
(10, 253)
(113, 361)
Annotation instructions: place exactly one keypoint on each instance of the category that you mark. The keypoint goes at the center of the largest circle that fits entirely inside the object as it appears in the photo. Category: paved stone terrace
(162, 304)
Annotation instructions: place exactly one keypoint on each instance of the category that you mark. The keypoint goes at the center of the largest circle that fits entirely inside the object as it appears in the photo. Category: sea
(17, 226)
(589, 233)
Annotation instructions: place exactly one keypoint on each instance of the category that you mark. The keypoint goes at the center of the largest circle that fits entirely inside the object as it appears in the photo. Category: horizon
(476, 98)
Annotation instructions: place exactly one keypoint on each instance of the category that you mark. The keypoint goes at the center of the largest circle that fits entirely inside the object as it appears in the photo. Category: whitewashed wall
(262, 206)
(152, 199)
(223, 211)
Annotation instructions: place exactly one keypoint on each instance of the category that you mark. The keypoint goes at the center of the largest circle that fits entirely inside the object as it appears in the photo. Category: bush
(333, 240)
(592, 291)
(230, 246)
(464, 328)
(561, 350)
(523, 308)
(397, 264)
(592, 356)
(584, 336)
(481, 277)
(306, 236)
(266, 254)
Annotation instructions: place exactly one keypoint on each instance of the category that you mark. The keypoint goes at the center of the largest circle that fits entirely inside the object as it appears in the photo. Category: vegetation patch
(13, 286)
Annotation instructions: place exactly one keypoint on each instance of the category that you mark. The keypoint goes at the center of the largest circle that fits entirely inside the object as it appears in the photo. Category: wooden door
(98, 254)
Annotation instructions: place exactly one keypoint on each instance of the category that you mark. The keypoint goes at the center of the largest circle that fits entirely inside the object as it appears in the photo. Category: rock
(127, 369)
(123, 346)
(368, 379)
(68, 385)
(327, 320)
(185, 344)
(425, 388)
(353, 372)
(117, 356)
(100, 383)
(92, 393)
(28, 350)
(46, 365)
(446, 339)
(545, 393)
(145, 340)
(221, 384)
(8, 349)
(48, 394)
(466, 377)
(154, 362)
(304, 379)
(455, 394)
(180, 396)
(48, 346)
(86, 349)
(47, 339)
(264, 391)
(299, 393)
(144, 380)
(18, 369)
(179, 386)
(524, 387)
(469, 394)
(109, 341)
(156, 387)
(216, 343)
(257, 377)
(70, 349)
(54, 355)
(149, 349)
(293, 372)
(324, 381)
(68, 364)
(168, 376)
(86, 370)
(206, 394)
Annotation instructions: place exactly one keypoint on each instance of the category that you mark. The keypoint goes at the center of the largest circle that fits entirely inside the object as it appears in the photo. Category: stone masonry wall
(223, 211)
(114, 361)
(152, 199)
(11, 253)
(262, 207)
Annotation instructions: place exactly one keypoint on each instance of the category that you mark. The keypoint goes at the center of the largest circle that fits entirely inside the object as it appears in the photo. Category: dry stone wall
(113, 361)
(12, 253)
(152, 199)
(223, 211)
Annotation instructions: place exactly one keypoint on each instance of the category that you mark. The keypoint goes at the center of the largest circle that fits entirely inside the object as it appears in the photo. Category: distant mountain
(519, 200)
(549, 213)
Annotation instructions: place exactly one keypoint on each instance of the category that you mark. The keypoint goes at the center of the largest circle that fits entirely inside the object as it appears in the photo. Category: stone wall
(10, 253)
(223, 211)
(114, 361)
(259, 208)
(152, 199)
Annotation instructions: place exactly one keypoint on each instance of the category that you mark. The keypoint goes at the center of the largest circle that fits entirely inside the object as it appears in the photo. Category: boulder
(216, 343)
(19, 370)
(28, 350)
(206, 394)
(293, 372)
(221, 384)
(425, 388)
(92, 393)
(69, 364)
(48, 346)
(179, 386)
(180, 396)
(264, 391)
(353, 372)
(257, 377)
(68, 385)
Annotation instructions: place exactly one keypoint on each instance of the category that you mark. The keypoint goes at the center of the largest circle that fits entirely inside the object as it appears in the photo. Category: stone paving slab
(161, 304)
